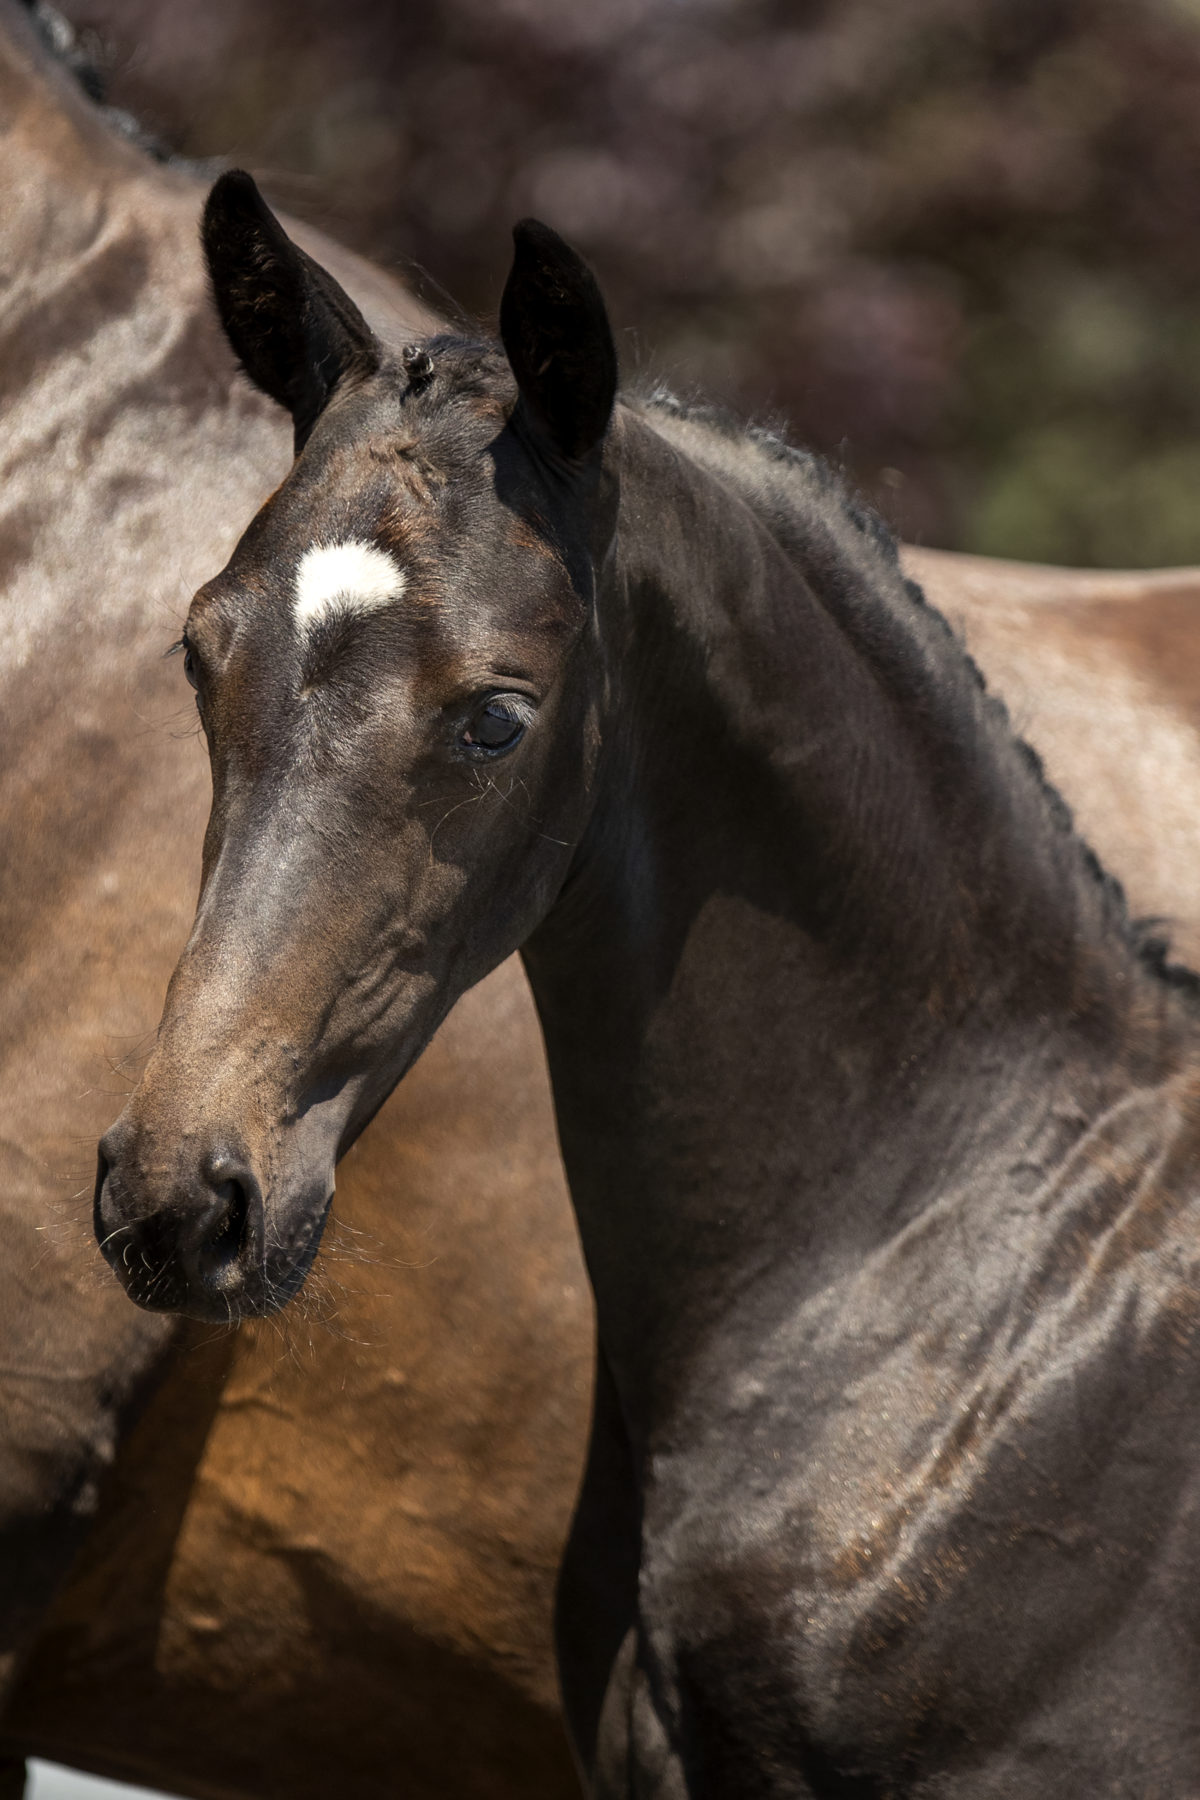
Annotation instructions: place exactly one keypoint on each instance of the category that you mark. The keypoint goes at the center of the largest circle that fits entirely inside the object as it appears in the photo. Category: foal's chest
(898, 1563)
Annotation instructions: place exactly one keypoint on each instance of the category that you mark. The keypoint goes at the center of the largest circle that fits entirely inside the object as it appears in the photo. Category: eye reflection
(497, 725)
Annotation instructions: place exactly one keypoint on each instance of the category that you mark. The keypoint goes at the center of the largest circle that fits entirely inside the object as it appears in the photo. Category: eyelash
(515, 709)
(181, 646)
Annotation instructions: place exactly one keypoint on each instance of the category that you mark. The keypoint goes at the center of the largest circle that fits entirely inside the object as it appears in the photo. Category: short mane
(784, 484)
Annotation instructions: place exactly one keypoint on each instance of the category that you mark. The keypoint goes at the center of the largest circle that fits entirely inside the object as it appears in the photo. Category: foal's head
(396, 679)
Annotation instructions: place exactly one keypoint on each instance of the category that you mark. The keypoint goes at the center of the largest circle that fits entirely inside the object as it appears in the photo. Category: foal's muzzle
(196, 1249)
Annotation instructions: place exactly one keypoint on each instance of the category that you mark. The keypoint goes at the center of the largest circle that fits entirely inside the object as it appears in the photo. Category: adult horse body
(878, 1115)
(327, 1571)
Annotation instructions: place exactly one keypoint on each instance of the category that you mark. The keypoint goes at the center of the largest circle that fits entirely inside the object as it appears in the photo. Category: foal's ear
(557, 337)
(293, 329)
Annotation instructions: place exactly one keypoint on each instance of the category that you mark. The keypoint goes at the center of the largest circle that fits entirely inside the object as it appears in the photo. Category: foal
(879, 1119)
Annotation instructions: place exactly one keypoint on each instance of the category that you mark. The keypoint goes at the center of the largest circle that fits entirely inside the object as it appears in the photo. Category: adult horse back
(878, 1111)
(360, 1574)
(1101, 673)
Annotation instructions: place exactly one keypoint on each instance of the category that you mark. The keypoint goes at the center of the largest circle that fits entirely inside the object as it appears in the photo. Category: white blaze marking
(351, 576)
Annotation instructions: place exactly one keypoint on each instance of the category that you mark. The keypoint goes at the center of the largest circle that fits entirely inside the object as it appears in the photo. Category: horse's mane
(807, 478)
(80, 55)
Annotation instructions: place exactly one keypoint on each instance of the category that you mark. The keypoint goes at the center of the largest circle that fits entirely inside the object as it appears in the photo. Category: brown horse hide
(321, 1561)
(1101, 673)
(324, 1560)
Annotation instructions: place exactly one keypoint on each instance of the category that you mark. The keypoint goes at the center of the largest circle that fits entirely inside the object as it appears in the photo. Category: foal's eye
(497, 725)
(189, 661)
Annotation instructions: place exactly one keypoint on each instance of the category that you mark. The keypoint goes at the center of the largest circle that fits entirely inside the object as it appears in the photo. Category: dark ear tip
(530, 230)
(533, 239)
(235, 181)
(233, 192)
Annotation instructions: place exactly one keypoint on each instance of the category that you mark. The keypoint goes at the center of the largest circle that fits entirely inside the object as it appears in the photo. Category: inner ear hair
(295, 331)
(559, 343)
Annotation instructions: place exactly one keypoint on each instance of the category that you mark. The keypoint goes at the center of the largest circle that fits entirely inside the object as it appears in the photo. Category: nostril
(106, 1217)
(225, 1243)
(102, 1167)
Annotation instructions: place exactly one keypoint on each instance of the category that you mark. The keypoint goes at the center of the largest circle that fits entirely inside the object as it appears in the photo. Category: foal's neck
(827, 933)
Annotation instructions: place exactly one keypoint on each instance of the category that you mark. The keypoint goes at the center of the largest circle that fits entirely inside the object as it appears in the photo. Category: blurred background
(954, 244)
